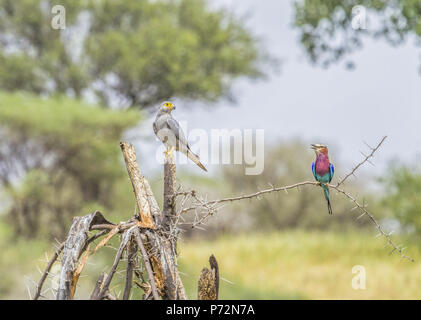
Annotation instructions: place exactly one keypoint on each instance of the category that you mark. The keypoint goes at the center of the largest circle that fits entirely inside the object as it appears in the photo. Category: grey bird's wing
(155, 128)
(179, 134)
(182, 144)
(166, 123)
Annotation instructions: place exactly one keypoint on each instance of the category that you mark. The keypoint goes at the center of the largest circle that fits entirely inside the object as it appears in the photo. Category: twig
(98, 286)
(366, 159)
(92, 239)
(124, 241)
(364, 211)
(47, 270)
(109, 296)
(251, 195)
(147, 264)
(129, 271)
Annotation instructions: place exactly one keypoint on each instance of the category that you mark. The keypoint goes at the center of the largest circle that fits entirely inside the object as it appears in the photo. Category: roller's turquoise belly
(324, 178)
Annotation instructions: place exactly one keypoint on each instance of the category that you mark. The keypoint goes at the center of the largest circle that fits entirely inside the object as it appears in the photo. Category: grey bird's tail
(327, 196)
(195, 158)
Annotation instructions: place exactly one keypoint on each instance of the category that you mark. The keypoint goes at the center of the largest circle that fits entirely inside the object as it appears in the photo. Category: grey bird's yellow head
(319, 148)
(167, 107)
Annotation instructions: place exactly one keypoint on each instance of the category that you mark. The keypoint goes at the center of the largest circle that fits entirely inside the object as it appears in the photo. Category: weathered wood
(208, 284)
(73, 247)
(159, 244)
(125, 239)
(169, 213)
(148, 266)
(131, 263)
(98, 286)
(174, 284)
(214, 266)
(156, 239)
(146, 203)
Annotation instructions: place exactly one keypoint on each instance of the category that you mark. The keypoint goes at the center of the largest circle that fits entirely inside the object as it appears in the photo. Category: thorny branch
(47, 270)
(205, 209)
(364, 211)
(366, 159)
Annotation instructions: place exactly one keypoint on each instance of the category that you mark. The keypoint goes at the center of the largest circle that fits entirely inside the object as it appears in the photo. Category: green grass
(303, 265)
(282, 265)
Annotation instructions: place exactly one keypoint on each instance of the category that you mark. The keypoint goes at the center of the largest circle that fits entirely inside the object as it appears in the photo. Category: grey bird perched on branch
(168, 130)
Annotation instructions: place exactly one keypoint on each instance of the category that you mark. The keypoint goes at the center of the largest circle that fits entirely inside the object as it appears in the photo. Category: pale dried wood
(73, 247)
(147, 262)
(169, 213)
(208, 284)
(131, 262)
(143, 199)
(125, 239)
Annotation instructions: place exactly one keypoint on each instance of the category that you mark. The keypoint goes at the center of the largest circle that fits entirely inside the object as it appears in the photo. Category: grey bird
(168, 130)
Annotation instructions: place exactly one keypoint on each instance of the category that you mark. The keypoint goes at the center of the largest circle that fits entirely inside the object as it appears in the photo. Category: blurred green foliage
(56, 157)
(326, 31)
(403, 195)
(129, 53)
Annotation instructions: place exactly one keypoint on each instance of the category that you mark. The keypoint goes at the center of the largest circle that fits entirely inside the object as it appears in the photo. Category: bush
(56, 156)
(403, 195)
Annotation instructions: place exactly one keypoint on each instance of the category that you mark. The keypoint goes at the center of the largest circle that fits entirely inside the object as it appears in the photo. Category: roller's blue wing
(313, 168)
(332, 171)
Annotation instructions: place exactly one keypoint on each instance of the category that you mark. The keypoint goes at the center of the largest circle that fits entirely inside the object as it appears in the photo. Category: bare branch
(124, 241)
(249, 196)
(98, 286)
(131, 262)
(364, 211)
(47, 270)
(366, 159)
(147, 264)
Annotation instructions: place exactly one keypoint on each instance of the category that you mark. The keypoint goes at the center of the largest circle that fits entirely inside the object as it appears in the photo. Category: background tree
(403, 195)
(57, 156)
(128, 53)
(326, 31)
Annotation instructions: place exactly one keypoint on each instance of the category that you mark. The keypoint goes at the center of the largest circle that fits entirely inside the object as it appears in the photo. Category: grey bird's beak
(173, 107)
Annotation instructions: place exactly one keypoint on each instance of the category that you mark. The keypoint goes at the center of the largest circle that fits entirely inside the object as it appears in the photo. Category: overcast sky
(380, 97)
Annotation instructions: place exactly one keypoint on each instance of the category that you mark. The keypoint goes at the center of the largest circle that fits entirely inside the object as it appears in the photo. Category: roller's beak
(313, 146)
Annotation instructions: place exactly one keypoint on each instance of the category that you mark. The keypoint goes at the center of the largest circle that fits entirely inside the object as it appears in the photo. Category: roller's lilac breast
(322, 165)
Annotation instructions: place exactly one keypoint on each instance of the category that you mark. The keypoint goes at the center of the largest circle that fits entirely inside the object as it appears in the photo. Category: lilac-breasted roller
(323, 170)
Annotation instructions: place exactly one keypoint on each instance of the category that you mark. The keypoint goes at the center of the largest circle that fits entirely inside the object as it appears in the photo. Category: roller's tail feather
(327, 196)
(329, 207)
